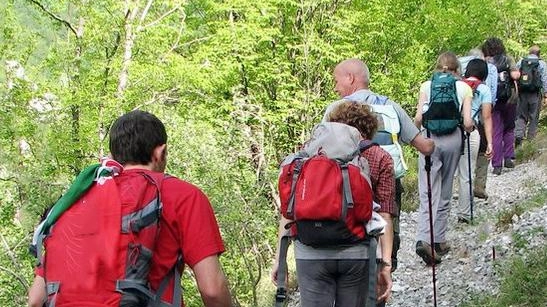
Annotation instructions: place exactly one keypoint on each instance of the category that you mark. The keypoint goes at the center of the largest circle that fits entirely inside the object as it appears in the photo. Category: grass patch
(410, 200)
(523, 283)
(527, 151)
(505, 217)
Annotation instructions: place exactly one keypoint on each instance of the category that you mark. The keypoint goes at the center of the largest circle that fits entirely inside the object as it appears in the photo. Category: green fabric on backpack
(443, 115)
(81, 184)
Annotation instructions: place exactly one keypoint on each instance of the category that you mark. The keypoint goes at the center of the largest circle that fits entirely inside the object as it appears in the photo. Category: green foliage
(522, 284)
(239, 85)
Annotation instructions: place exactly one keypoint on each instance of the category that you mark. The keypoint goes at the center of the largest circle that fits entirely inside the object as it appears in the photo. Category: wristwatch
(383, 263)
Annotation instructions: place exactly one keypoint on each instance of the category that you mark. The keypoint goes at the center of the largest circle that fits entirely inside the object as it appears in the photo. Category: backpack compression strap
(372, 267)
(281, 294)
(177, 290)
(348, 197)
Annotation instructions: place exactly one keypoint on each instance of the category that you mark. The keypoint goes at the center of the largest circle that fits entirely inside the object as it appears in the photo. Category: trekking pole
(428, 172)
(468, 135)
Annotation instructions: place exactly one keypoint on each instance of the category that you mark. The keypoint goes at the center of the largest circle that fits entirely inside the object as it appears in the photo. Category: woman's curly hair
(493, 46)
(358, 115)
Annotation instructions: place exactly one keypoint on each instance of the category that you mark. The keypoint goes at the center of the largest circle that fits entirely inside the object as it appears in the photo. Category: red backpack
(99, 251)
(324, 189)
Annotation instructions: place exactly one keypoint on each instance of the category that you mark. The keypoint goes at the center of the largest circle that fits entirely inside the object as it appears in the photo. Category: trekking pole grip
(427, 163)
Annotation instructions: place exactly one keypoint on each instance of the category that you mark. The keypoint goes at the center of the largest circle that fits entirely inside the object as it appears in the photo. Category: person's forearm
(386, 240)
(221, 299)
(466, 111)
(282, 231)
(488, 129)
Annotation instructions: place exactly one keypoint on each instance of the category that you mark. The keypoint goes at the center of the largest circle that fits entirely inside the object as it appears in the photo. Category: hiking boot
(442, 248)
(496, 170)
(423, 249)
(508, 163)
(518, 142)
(480, 193)
(463, 220)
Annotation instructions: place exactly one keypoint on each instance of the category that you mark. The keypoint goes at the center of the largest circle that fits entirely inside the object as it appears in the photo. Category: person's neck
(360, 88)
(138, 166)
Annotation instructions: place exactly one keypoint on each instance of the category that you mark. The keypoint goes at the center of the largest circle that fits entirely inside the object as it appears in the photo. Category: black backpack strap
(296, 173)
(366, 144)
(372, 274)
(281, 293)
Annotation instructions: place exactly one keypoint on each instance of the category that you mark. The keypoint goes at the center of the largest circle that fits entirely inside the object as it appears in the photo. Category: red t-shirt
(188, 227)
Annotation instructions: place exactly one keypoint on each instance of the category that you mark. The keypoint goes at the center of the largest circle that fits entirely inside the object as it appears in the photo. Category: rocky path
(468, 268)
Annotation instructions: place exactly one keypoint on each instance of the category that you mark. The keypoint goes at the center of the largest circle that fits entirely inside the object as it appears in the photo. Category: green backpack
(443, 115)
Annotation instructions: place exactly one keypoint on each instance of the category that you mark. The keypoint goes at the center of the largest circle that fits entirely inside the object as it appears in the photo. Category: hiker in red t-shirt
(188, 227)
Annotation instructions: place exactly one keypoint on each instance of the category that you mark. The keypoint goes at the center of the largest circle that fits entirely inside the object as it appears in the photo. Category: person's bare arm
(422, 99)
(486, 114)
(281, 232)
(384, 274)
(422, 144)
(212, 283)
(37, 292)
(468, 123)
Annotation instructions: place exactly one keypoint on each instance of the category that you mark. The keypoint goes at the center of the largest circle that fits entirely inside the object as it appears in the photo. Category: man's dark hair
(477, 68)
(134, 135)
(493, 46)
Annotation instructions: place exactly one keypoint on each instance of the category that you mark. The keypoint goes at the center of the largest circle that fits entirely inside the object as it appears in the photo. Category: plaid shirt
(382, 178)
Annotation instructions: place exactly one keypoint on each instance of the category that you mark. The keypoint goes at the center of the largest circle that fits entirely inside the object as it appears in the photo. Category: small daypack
(474, 84)
(443, 115)
(505, 83)
(325, 188)
(98, 250)
(387, 135)
(530, 79)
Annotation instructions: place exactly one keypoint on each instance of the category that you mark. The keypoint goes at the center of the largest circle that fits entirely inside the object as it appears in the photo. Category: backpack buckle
(281, 295)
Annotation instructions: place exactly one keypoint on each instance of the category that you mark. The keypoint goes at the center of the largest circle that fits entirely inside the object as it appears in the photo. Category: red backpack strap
(135, 222)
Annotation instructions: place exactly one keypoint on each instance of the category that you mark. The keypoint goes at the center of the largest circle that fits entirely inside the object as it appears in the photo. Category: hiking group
(340, 195)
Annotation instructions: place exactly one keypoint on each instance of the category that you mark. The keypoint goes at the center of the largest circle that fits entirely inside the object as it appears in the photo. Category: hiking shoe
(463, 220)
(442, 248)
(508, 163)
(480, 193)
(496, 170)
(423, 249)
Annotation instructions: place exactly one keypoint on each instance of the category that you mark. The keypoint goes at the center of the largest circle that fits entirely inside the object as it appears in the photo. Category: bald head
(350, 76)
(535, 50)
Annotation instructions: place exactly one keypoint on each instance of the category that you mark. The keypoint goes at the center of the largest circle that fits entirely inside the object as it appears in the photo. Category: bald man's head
(350, 76)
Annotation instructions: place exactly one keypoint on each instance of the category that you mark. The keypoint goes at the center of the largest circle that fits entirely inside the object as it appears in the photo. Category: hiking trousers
(503, 138)
(332, 282)
(481, 166)
(464, 195)
(444, 159)
(528, 109)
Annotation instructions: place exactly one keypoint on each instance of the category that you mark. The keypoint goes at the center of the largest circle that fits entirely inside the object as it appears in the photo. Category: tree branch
(19, 278)
(153, 23)
(56, 17)
(145, 11)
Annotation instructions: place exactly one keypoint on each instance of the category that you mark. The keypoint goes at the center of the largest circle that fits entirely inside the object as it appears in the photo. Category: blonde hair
(448, 62)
